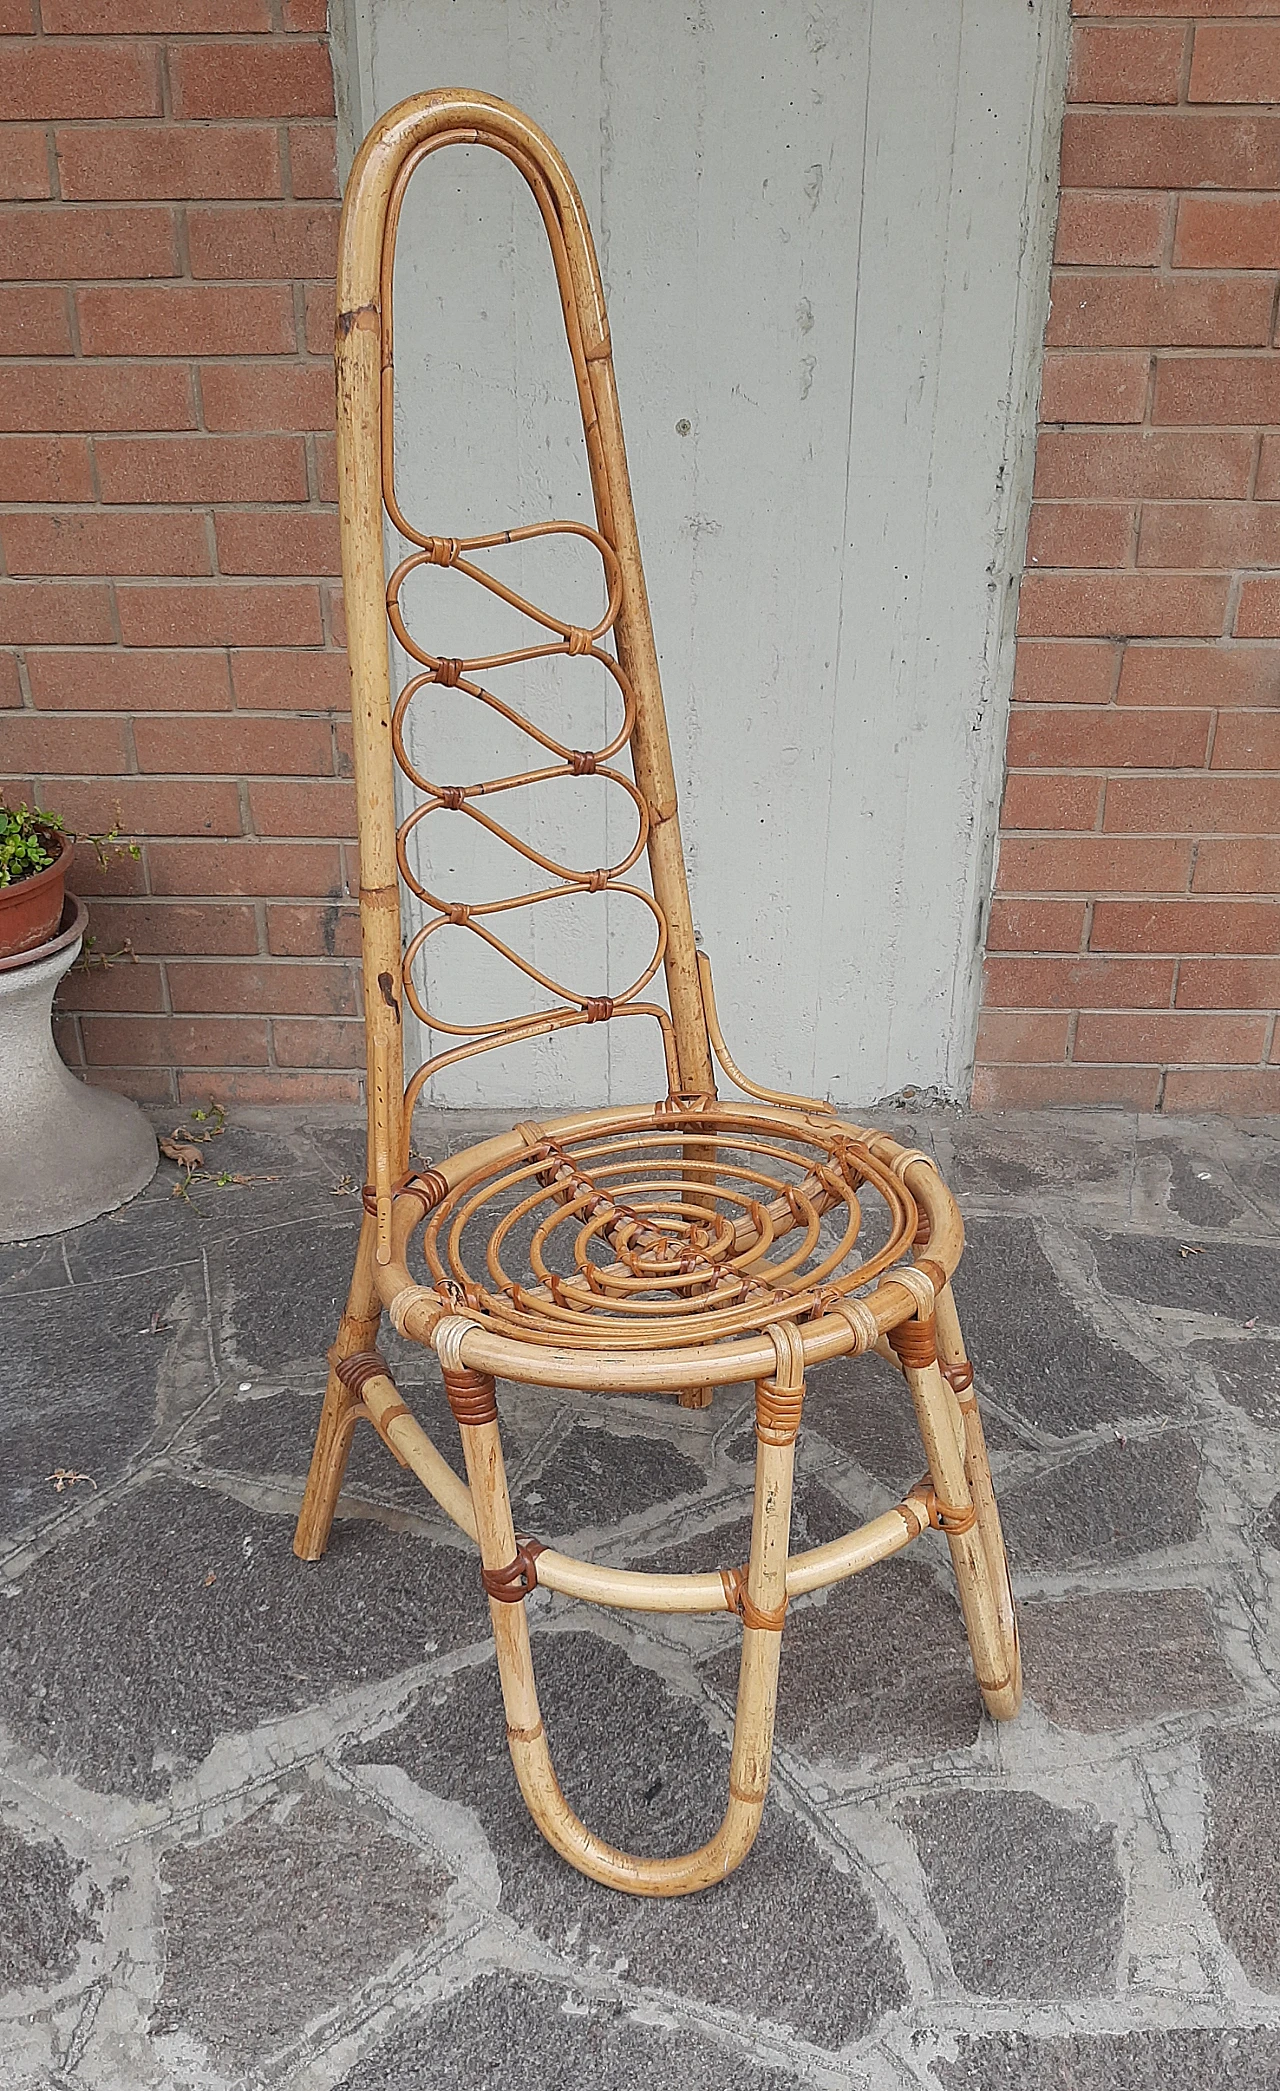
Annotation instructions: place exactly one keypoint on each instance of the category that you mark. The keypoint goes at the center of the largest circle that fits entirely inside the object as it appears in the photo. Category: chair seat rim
(417, 1309)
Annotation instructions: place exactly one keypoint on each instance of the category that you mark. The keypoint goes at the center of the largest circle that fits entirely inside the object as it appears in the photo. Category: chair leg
(958, 1373)
(358, 1330)
(985, 1596)
(509, 1571)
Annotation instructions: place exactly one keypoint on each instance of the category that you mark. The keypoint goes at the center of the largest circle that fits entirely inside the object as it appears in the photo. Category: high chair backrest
(366, 491)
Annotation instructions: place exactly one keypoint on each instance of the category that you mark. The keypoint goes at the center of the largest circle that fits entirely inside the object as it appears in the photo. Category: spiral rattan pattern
(605, 1241)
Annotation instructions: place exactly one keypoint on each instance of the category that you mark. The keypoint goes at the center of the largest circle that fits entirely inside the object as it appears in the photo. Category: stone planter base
(67, 1152)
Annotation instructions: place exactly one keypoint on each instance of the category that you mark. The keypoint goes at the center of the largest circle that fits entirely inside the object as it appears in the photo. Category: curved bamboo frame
(695, 1228)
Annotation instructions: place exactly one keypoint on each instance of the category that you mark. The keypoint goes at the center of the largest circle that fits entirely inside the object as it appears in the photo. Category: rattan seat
(673, 1247)
(641, 1261)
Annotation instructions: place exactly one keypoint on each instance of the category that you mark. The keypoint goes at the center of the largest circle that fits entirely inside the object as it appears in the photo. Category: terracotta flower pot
(31, 908)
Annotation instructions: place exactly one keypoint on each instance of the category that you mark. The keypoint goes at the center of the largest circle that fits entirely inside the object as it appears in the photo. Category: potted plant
(34, 849)
(67, 1152)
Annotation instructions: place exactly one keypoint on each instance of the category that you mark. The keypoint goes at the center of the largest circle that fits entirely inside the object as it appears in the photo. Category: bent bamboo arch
(673, 1248)
(391, 154)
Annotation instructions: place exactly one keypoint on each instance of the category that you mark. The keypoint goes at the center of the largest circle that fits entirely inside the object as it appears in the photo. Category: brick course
(167, 533)
(1137, 905)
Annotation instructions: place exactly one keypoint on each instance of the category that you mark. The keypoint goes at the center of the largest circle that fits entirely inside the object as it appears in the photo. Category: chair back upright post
(363, 362)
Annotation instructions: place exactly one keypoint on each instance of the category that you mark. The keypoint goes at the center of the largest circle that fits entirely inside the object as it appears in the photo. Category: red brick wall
(169, 620)
(1134, 946)
(169, 614)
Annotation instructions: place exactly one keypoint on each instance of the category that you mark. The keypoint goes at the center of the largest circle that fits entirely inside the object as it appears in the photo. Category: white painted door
(824, 238)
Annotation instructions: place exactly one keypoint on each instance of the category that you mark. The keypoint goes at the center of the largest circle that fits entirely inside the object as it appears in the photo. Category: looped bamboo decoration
(558, 636)
(671, 1248)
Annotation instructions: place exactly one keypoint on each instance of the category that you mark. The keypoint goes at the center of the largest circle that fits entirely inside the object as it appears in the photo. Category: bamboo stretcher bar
(634, 1590)
(406, 1436)
(638, 1590)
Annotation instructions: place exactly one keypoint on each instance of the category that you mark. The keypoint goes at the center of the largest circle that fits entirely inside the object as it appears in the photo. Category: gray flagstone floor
(257, 1823)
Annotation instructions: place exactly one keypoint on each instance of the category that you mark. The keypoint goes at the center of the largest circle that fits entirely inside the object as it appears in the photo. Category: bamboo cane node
(354, 1333)
(525, 1735)
(749, 1797)
(382, 1424)
(472, 1396)
(993, 1684)
(356, 1371)
(915, 1514)
(513, 1583)
(915, 1343)
(363, 319)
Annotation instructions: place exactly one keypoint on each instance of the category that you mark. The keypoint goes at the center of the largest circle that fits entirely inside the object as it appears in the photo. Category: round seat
(654, 1246)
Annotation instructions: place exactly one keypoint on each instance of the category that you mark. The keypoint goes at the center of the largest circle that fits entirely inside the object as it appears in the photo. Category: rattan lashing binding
(674, 1248)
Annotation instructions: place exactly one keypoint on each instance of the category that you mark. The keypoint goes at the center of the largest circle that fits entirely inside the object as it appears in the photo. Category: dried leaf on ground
(184, 1152)
(67, 1477)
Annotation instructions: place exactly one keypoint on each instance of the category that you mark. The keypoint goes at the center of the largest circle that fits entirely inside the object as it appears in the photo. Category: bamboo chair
(673, 1248)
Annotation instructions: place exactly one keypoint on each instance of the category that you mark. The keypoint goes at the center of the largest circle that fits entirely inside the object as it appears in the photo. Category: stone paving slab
(501, 2032)
(258, 1827)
